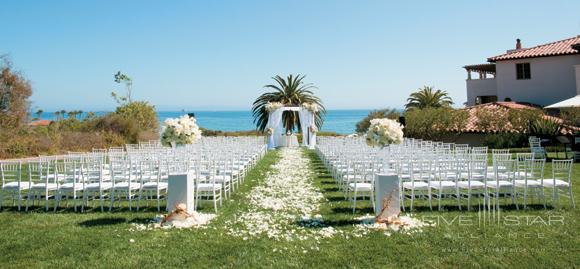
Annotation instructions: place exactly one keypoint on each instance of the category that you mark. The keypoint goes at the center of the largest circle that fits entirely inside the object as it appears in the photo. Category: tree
(62, 114)
(291, 91)
(122, 78)
(39, 113)
(14, 93)
(363, 125)
(428, 97)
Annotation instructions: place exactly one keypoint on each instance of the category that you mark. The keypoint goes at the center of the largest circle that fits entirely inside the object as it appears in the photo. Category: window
(523, 71)
(485, 99)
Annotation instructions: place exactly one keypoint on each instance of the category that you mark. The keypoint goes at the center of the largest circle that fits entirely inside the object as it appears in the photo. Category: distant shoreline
(340, 121)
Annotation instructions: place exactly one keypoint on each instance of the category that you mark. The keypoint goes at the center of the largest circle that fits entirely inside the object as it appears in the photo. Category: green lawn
(102, 240)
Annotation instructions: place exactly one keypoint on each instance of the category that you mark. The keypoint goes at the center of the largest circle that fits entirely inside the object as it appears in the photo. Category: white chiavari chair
(561, 180)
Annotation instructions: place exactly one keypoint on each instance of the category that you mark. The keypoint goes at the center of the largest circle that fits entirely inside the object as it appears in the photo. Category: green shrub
(545, 128)
(117, 124)
(571, 115)
(434, 123)
(505, 140)
(142, 113)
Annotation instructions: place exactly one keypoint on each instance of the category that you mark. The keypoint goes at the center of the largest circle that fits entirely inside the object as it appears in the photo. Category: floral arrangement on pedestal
(384, 132)
(270, 131)
(312, 107)
(180, 131)
(273, 106)
(313, 128)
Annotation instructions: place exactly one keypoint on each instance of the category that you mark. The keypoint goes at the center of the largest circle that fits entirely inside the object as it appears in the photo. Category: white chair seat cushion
(500, 183)
(418, 185)
(208, 187)
(96, 186)
(360, 186)
(126, 185)
(559, 183)
(221, 178)
(531, 183)
(474, 184)
(14, 185)
(443, 184)
(44, 186)
(155, 185)
(71, 187)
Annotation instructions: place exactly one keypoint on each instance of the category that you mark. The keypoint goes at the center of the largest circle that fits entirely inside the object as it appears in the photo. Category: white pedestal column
(181, 189)
(387, 193)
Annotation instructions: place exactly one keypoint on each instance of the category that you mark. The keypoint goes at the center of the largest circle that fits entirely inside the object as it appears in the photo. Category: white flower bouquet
(272, 106)
(313, 128)
(384, 132)
(180, 131)
(312, 107)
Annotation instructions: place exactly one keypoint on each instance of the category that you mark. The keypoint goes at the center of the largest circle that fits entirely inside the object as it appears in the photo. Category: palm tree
(39, 113)
(428, 97)
(291, 91)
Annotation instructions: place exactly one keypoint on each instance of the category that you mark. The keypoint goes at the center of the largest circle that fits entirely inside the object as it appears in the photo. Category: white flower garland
(273, 106)
(312, 107)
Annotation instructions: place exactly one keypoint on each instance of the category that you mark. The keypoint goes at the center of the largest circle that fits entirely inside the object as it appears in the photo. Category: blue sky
(211, 55)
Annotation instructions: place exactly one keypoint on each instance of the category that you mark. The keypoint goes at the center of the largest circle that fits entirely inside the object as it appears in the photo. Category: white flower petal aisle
(284, 205)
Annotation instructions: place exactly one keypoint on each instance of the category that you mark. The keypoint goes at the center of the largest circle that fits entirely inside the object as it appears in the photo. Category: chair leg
(46, 201)
(101, 200)
(112, 200)
(525, 197)
(468, 199)
(439, 198)
(572, 197)
(412, 199)
(28, 200)
(139, 199)
(57, 200)
(158, 201)
(543, 196)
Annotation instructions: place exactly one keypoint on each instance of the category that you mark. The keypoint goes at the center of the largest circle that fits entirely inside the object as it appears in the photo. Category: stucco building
(540, 75)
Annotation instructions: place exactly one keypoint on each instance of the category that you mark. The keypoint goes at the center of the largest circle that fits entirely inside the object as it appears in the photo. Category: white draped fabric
(275, 122)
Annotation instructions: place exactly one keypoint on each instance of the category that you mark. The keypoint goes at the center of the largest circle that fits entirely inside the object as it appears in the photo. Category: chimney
(518, 44)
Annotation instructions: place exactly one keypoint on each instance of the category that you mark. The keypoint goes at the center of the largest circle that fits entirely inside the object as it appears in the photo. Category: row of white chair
(135, 173)
(435, 170)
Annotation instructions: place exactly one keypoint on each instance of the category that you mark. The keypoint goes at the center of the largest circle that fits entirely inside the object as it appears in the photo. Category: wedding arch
(307, 126)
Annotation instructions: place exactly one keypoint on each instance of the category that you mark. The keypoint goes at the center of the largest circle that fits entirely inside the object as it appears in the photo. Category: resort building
(540, 75)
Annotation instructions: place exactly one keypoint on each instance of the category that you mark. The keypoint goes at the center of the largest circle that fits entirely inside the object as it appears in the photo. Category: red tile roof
(40, 123)
(501, 109)
(562, 47)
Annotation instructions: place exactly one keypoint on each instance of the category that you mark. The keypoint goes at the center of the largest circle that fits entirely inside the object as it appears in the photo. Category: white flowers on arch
(306, 115)
(181, 131)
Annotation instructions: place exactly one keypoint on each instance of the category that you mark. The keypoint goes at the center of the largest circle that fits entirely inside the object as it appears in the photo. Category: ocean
(339, 121)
